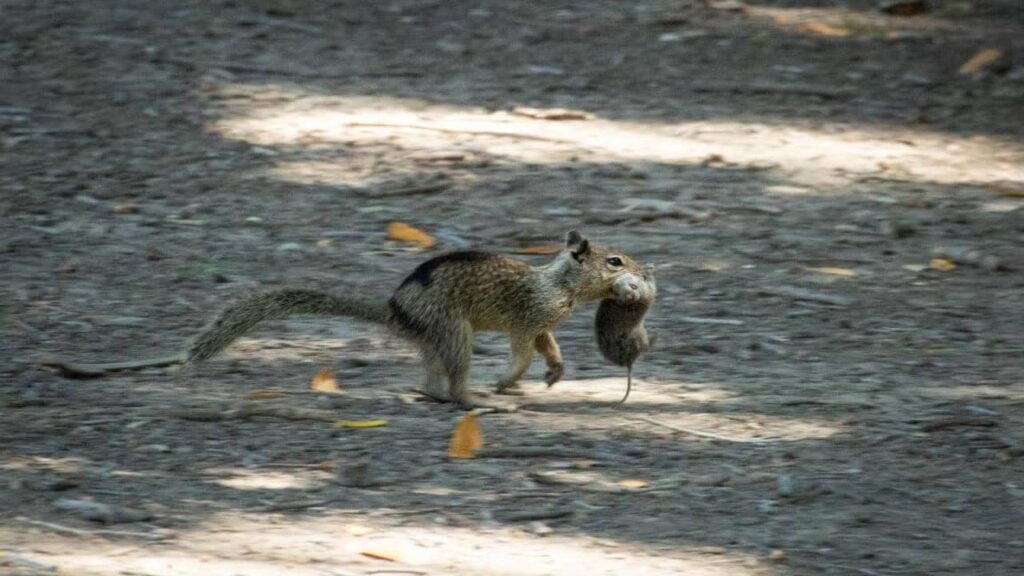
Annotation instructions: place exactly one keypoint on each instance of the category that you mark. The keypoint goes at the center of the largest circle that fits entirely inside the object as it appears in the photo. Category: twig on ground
(84, 370)
(955, 421)
(102, 532)
(531, 515)
(545, 452)
(250, 410)
(497, 133)
(771, 87)
(698, 320)
(273, 71)
(703, 434)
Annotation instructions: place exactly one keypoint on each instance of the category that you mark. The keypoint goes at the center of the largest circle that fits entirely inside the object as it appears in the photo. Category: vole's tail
(247, 313)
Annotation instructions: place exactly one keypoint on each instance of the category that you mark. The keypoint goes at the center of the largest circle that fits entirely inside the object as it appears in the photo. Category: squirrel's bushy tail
(248, 312)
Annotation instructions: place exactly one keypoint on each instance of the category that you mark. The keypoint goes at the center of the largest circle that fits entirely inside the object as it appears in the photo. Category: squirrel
(445, 300)
(619, 323)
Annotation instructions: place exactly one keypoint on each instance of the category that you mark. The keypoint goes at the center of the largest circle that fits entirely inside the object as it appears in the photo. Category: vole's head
(601, 272)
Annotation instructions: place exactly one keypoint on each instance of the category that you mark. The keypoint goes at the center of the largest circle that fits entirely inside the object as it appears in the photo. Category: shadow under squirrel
(445, 300)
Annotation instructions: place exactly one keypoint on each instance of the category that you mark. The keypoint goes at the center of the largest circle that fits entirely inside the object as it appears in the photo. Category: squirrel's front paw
(554, 374)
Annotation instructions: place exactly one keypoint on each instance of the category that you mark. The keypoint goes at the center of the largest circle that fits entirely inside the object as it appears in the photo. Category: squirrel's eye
(614, 261)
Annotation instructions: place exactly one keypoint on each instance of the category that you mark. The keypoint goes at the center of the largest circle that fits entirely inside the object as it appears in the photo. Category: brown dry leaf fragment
(822, 29)
(382, 554)
(551, 113)
(466, 439)
(633, 484)
(360, 423)
(981, 60)
(1010, 188)
(538, 250)
(832, 271)
(126, 209)
(584, 464)
(941, 264)
(324, 382)
(406, 233)
(263, 395)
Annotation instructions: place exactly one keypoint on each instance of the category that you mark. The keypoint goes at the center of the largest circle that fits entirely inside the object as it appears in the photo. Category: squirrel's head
(602, 272)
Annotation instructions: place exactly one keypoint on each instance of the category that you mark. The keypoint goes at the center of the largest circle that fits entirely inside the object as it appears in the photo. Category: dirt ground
(836, 215)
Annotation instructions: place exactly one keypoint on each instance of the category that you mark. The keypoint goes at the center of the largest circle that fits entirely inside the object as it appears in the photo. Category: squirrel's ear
(578, 245)
(572, 239)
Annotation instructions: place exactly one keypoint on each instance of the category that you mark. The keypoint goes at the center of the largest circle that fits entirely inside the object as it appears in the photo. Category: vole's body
(445, 300)
(619, 325)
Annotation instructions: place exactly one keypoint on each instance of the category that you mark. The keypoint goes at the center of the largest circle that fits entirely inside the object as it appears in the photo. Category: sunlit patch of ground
(386, 542)
(594, 404)
(242, 479)
(303, 125)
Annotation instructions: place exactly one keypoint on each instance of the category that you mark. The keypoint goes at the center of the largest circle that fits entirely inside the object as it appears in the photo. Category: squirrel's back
(489, 291)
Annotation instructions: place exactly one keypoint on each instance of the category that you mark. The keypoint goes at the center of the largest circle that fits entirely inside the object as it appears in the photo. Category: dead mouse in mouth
(619, 324)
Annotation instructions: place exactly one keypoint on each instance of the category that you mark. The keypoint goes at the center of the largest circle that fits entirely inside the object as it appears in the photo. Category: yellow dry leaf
(846, 272)
(466, 439)
(634, 484)
(406, 233)
(584, 464)
(552, 113)
(941, 264)
(324, 382)
(538, 250)
(126, 209)
(263, 395)
(382, 554)
(822, 29)
(980, 60)
(360, 423)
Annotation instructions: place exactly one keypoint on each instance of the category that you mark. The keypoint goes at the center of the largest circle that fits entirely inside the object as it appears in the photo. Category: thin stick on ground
(86, 370)
(101, 532)
(703, 434)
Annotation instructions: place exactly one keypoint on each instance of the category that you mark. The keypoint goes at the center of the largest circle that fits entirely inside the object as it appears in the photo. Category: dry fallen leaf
(263, 395)
(382, 554)
(551, 113)
(634, 484)
(981, 60)
(584, 464)
(822, 29)
(538, 250)
(324, 382)
(846, 272)
(326, 465)
(941, 264)
(126, 209)
(360, 423)
(466, 439)
(406, 233)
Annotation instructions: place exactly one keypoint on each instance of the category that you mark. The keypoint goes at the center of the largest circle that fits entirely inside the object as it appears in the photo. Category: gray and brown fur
(447, 299)
(619, 324)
